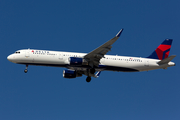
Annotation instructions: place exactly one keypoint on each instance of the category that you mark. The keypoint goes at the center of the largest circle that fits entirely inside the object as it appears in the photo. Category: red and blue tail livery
(162, 51)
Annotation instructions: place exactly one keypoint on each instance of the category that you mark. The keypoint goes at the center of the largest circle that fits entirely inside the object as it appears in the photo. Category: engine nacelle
(70, 74)
(77, 61)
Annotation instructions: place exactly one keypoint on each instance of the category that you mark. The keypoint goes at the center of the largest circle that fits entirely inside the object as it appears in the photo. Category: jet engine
(77, 61)
(71, 74)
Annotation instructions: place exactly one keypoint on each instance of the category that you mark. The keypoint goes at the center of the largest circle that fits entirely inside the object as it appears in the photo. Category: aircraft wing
(94, 56)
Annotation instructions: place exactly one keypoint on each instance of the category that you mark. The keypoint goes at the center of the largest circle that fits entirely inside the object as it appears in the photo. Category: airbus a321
(91, 64)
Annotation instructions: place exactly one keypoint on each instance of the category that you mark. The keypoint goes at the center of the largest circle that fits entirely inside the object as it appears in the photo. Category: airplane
(91, 64)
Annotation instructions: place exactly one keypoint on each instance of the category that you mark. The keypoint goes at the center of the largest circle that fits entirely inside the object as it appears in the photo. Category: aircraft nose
(10, 58)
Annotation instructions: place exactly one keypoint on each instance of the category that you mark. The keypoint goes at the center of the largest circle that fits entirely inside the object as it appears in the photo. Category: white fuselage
(61, 59)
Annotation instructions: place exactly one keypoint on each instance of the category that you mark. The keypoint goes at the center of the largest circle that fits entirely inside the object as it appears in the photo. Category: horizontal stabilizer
(166, 60)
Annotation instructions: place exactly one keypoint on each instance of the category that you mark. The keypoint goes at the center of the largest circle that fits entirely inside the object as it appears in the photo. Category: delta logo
(40, 52)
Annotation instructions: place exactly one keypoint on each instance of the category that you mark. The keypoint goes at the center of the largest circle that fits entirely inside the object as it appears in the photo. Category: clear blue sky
(81, 26)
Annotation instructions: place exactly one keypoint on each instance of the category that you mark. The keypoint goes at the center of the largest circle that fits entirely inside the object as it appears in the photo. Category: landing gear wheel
(25, 70)
(88, 79)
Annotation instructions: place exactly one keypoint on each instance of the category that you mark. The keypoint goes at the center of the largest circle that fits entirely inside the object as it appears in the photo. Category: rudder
(162, 51)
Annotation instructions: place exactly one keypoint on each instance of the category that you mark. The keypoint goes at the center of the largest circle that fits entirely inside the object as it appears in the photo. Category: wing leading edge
(94, 56)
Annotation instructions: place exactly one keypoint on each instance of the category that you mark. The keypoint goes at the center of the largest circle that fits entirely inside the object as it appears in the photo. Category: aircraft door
(102, 60)
(61, 56)
(27, 54)
(146, 63)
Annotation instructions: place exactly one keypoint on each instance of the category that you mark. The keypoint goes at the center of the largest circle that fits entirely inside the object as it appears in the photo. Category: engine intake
(71, 74)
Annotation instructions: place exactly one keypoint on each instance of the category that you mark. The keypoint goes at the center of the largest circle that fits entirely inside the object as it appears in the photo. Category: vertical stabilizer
(162, 51)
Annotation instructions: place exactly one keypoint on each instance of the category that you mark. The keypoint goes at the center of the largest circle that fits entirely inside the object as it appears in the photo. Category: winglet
(119, 33)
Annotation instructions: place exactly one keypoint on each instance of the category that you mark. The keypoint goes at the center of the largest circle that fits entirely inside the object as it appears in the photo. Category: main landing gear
(26, 69)
(90, 71)
(88, 79)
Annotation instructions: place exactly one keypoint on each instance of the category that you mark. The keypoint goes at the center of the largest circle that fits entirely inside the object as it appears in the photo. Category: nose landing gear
(26, 69)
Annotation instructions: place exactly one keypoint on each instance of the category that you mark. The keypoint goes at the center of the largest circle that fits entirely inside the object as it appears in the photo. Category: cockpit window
(17, 52)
